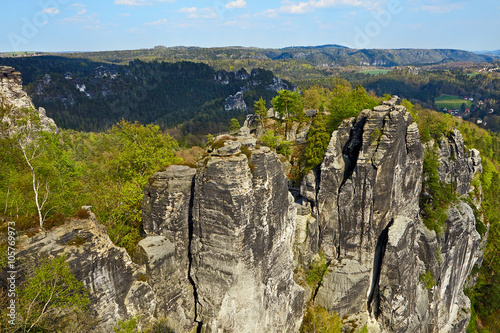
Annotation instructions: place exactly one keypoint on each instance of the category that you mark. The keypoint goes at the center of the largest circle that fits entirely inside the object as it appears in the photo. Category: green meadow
(450, 102)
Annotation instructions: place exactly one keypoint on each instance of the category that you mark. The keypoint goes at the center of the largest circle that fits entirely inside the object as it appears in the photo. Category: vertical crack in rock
(373, 297)
(351, 150)
(190, 258)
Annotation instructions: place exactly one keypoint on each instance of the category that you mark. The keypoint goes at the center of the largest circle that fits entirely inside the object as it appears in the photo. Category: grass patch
(451, 102)
(317, 270)
(376, 71)
(318, 319)
(436, 196)
(428, 280)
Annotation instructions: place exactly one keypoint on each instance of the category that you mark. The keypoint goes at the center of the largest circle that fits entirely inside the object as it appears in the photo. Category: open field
(450, 102)
(376, 71)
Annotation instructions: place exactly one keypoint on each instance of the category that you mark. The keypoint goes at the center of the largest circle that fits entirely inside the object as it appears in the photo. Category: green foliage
(436, 197)
(363, 329)
(288, 104)
(107, 171)
(235, 125)
(284, 148)
(315, 273)
(51, 286)
(271, 140)
(219, 143)
(314, 97)
(428, 280)
(410, 108)
(126, 326)
(485, 295)
(344, 102)
(375, 135)
(210, 139)
(245, 150)
(319, 320)
(317, 141)
(260, 109)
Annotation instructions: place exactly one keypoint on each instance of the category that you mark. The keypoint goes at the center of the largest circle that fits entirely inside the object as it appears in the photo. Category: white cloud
(81, 17)
(301, 7)
(162, 21)
(88, 19)
(198, 13)
(441, 9)
(236, 4)
(125, 14)
(139, 2)
(298, 8)
(51, 10)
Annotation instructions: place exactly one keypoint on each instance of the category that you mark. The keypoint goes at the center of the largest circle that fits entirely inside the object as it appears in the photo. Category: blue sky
(66, 25)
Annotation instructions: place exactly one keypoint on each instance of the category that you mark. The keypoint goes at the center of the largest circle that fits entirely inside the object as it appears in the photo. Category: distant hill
(495, 53)
(324, 55)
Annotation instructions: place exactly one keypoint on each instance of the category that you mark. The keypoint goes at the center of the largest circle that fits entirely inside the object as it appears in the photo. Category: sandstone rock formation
(14, 97)
(235, 102)
(242, 246)
(366, 203)
(277, 85)
(107, 272)
(167, 209)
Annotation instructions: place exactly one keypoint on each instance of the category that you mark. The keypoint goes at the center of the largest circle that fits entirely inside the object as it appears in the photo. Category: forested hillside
(89, 96)
(315, 55)
(479, 92)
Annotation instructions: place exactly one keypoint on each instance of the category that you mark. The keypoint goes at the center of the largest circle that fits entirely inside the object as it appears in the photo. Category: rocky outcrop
(298, 132)
(222, 77)
(13, 96)
(235, 102)
(166, 210)
(113, 281)
(11, 89)
(243, 234)
(382, 259)
(457, 164)
(277, 85)
(242, 74)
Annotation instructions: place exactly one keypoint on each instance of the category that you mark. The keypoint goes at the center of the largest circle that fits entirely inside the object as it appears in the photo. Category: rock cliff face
(242, 246)
(13, 96)
(113, 281)
(365, 199)
(235, 102)
(167, 208)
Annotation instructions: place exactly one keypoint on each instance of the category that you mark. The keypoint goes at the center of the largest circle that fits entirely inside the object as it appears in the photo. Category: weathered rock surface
(366, 205)
(165, 252)
(235, 102)
(12, 95)
(223, 240)
(107, 272)
(457, 165)
(298, 132)
(277, 85)
(242, 246)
